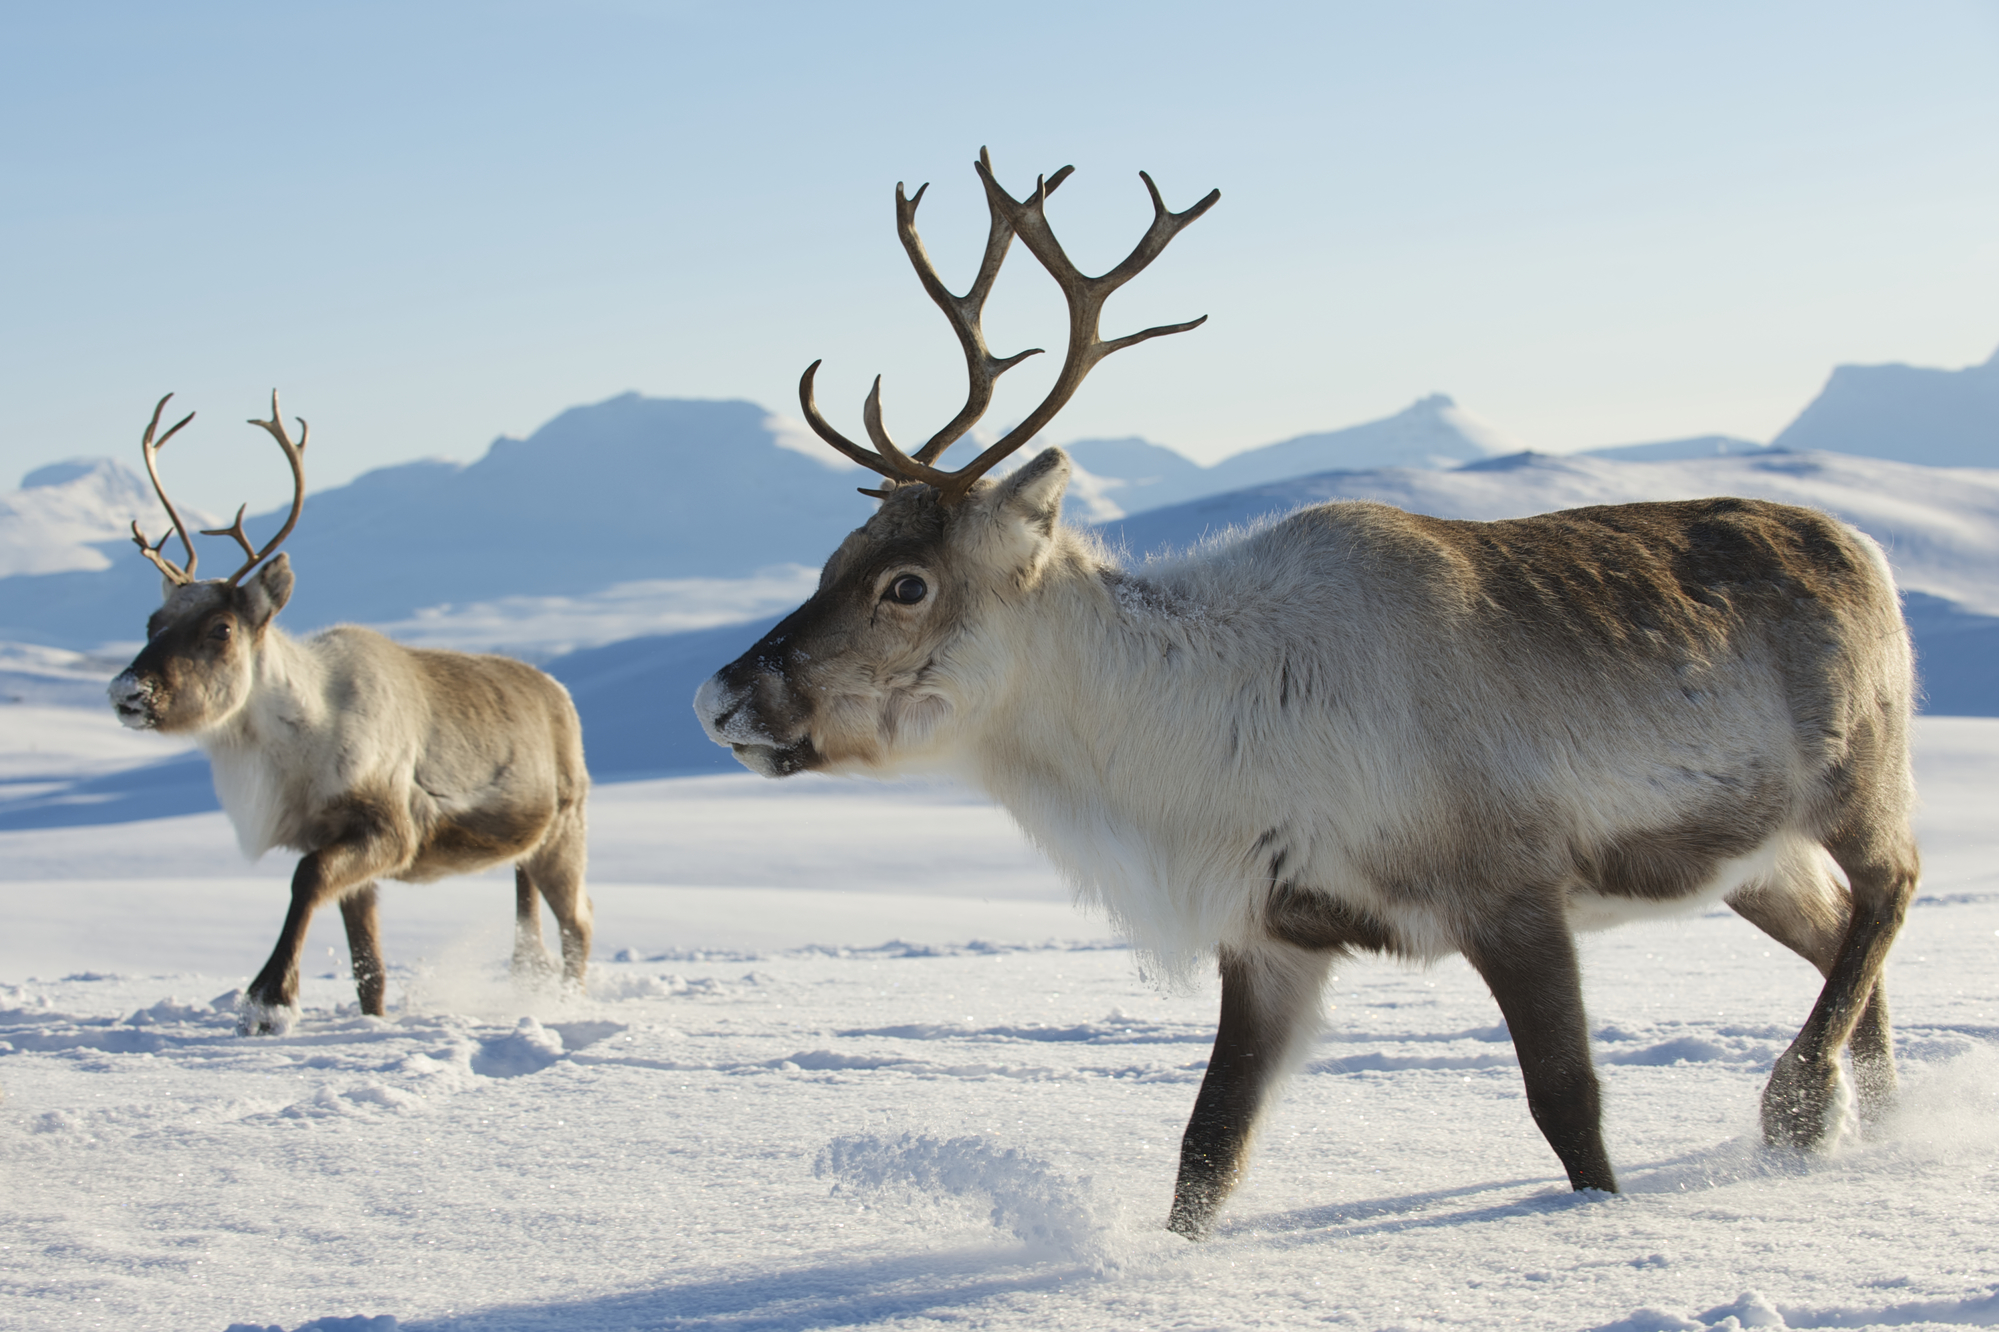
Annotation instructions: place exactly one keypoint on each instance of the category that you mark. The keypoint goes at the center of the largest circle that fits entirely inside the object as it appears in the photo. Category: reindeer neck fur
(1133, 749)
(258, 753)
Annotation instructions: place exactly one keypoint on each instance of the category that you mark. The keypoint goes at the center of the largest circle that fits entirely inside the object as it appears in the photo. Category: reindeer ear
(266, 594)
(1034, 493)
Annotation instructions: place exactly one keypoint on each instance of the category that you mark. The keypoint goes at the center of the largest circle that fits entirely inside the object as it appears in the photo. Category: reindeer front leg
(1270, 1004)
(364, 947)
(371, 848)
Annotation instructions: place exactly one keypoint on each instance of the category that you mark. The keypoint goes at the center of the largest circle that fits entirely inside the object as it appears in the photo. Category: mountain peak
(65, 511)
(62, 473)
(1940, 418)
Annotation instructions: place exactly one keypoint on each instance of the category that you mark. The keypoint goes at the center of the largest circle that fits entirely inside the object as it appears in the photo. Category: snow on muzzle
(755, 716)
(132, 700)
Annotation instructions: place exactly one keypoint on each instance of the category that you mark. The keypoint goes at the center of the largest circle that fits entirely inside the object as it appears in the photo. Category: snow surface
(768, 1115)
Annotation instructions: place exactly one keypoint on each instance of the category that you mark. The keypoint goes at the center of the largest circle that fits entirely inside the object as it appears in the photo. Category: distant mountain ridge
(635, 497)
(620, 491)
(1431, 432)
(1939, 526)
(1942, 418)
(627, 491)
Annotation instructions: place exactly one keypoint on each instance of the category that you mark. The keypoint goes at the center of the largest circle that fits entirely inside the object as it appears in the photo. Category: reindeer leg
(1801, 1102)
(271, 1002)
(364, 945)
(1530, 966)
(375, 844)
(1806, 910)
(530, 955)
(1270, 997)
(557, 870)
(1873, 1049)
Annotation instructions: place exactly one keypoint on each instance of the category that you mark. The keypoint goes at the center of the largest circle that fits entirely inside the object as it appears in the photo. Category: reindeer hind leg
(1801, 1103)
(531, 960)
(1803, 907)
(556, 868)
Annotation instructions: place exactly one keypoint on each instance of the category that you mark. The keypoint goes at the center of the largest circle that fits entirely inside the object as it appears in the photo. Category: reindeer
(373, 760)
(1363, 730)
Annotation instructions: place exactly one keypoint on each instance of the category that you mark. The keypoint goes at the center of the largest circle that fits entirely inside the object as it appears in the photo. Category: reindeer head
(199, 662)
(895, 654)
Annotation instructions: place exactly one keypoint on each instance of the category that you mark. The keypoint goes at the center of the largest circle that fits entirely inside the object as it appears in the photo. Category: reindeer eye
(908, 590)
(219, 632)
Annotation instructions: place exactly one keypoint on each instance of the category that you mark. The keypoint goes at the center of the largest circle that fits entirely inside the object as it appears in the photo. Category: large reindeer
(374, 761)
(1363, 729)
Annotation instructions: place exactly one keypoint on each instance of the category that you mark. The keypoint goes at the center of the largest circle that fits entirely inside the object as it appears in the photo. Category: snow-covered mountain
(631, 515)
(63, 514)
(1945, 418)
(1940, 526)
(1433, 432)
(622, 492)
(692, 524)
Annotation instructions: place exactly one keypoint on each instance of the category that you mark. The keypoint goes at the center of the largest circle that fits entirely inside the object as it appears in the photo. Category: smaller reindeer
(373, 760)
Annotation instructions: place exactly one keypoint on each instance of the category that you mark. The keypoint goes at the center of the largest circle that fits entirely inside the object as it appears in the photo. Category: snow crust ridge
(1752, 1310)
(1027, 1197)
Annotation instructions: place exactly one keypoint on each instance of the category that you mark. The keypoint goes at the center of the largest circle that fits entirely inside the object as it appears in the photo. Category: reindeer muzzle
(739, 716)
(134, 699)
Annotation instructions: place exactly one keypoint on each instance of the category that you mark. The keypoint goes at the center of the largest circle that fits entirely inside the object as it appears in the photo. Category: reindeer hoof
(1806, 1106)
(254, 1017)
(1192, 1218)
(534, 967)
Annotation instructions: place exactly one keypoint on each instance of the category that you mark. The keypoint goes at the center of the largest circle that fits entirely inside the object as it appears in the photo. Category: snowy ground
(766, 1115)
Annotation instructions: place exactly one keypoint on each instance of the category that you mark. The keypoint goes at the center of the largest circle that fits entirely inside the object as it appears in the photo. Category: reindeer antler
(151, 447)
(1028, 219)
(295, 455)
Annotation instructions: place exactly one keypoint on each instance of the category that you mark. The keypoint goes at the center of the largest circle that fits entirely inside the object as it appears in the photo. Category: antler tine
(295, 455)
(821, 427)
(965, 313)
(235, 530)
(150, 447)
(1085, 296)
(906, 467)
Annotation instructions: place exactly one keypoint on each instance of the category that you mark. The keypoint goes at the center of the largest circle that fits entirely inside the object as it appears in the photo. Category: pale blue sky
(433, 223)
